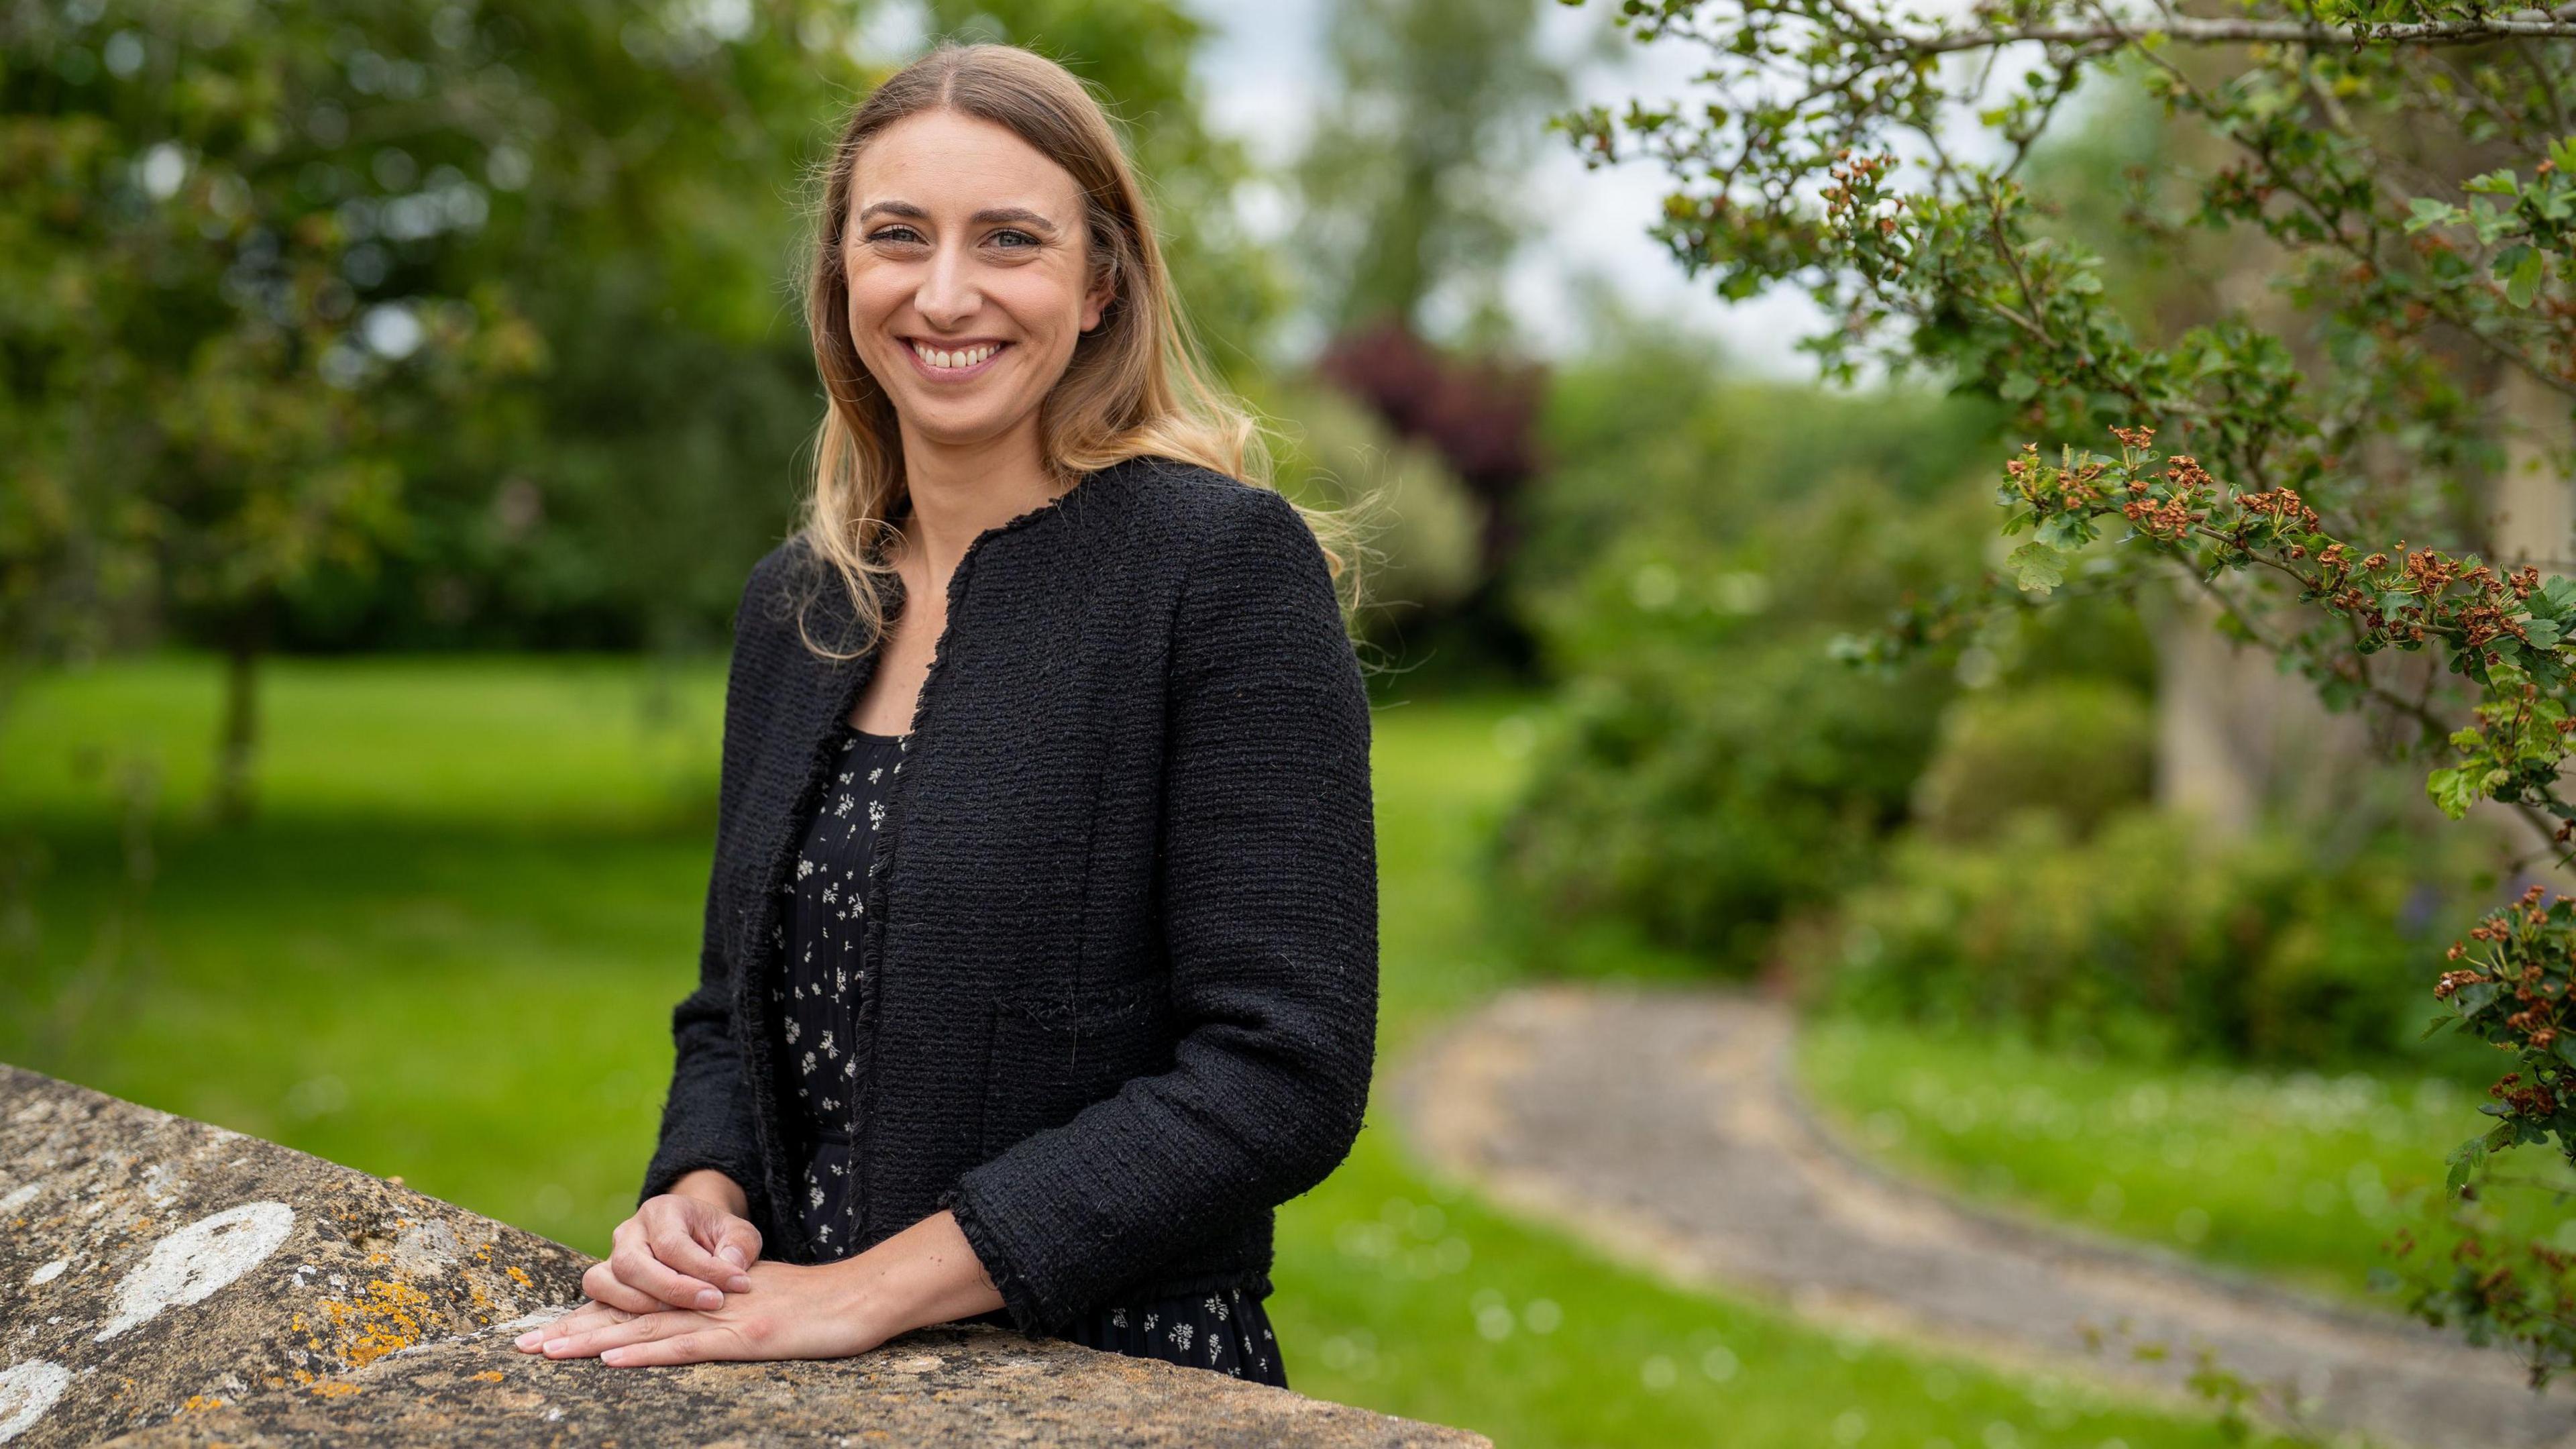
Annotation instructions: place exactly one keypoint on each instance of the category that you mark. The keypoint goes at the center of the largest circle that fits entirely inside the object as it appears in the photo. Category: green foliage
(2076, 748)
(1710, 773)
(1707, 805)
(2148, 938)
(1408, 182)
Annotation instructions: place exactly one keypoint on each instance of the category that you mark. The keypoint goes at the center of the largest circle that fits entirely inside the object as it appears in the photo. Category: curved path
(1662, 1127)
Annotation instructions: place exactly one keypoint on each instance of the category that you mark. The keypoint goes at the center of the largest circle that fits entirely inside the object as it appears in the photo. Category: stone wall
(166, 1282)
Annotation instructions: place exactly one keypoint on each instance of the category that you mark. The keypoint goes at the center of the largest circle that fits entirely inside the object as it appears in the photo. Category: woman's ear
(1095, 302)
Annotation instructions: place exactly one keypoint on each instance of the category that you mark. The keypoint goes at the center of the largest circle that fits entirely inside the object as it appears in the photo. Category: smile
(949, 363)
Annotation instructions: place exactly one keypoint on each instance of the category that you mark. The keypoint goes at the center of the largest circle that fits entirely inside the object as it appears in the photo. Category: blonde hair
(1135, 386)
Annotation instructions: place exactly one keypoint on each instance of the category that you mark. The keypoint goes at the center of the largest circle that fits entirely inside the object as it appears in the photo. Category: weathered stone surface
(165, 1282)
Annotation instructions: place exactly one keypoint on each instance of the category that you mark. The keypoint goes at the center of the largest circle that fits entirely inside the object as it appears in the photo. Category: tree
(2400, 176)
(1408, 180)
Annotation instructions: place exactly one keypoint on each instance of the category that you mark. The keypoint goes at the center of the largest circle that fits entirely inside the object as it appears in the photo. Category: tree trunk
(237, 749)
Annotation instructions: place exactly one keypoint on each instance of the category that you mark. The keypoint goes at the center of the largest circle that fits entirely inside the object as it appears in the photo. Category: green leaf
(2528, 270)
(2064, 531)
(2452, 790)
(2017, 387)
(2429, 212)
(2036, 567)
(2494, 183)
(2466, 1159)
(2563, 151)
(2477, 996)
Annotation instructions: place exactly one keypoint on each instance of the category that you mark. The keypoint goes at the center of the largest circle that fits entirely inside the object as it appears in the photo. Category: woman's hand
(790, 1312)
(684, 1249)
(926, 1274)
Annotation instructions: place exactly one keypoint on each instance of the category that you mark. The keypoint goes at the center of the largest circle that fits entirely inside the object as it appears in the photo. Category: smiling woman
(1040, 952)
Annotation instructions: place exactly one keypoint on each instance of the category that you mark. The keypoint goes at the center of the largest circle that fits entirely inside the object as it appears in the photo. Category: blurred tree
(1410, 202)
(418, 323)
(207, 345)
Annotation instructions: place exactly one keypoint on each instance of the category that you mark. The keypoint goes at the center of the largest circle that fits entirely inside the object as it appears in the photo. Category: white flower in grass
(817, 1197)
(794, 1030)
(1181, 1336)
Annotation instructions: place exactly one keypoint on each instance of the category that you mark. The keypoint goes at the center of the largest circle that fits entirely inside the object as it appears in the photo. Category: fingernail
(553, 1344)
(613, 1357)
(710, 1299)
(739, 1285)
(733, 1255)
(526, 1339)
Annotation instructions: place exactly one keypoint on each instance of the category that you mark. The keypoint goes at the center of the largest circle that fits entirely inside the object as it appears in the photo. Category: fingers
(707, 1345)
(739, 1244)
(675, 1242)
(637, 1264)
(584, 1319)
(602, 1283)
(639, 1329)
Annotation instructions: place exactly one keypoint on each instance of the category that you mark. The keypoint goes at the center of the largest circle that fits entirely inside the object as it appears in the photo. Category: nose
(947, 295)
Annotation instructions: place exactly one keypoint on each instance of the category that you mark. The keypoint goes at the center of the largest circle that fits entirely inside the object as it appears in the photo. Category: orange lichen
(389, 1316)
(335, 1390)
(490, 1376)
(520, 1276)
(198, 1403)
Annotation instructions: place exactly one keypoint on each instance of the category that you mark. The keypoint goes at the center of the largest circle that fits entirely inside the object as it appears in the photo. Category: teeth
(940, 357)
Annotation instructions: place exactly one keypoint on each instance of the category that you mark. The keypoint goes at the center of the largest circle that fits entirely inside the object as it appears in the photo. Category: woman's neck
(961, 489)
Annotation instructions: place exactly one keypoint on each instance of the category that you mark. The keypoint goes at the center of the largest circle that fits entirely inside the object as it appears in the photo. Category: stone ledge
(166, 1282)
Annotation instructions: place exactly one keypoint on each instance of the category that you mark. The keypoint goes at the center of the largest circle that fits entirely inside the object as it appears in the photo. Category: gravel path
(1662, 1127)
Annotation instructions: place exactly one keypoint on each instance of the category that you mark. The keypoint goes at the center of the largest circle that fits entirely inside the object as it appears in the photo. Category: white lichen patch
(48, 1273)
(19, 1197)
(427, 1248)
(198, 1260)
(27, 1391)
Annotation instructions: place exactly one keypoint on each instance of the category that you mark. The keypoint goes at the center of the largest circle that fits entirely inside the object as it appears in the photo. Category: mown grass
(2301, 1177)
(448, 947)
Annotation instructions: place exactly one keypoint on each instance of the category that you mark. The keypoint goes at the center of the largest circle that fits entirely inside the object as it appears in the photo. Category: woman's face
(969, 274)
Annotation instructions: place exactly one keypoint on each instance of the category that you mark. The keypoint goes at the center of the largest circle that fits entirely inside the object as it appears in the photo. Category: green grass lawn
(448, 949)
(2296, 1176)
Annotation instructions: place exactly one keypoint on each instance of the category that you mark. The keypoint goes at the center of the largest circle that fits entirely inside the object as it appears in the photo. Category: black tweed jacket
(1125, 912)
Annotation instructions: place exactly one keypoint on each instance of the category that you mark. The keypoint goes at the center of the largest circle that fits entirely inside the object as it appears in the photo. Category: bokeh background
(396, 393)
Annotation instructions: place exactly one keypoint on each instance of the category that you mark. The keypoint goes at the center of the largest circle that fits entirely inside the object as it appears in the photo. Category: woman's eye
(894, 234)
(1011, 240)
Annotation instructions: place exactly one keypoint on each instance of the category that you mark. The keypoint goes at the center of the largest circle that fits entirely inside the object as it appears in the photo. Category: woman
(1095, 987)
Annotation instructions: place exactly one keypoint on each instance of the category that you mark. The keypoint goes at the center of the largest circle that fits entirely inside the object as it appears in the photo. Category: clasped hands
(685, 1284)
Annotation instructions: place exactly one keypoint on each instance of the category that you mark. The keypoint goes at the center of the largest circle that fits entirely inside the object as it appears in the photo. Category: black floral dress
(827, 972)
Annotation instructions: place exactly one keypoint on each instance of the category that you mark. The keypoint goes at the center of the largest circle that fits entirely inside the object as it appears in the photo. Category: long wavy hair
(1136, 386)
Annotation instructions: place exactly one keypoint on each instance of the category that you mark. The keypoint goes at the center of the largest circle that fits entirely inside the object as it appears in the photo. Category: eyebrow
(992, 216)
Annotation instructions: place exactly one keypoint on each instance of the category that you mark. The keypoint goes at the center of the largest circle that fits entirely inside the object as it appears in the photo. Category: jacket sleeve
(1268, 876)
(706, 1120)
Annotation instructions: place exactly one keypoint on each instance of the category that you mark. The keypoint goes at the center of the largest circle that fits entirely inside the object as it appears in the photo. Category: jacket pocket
(1051, 1058)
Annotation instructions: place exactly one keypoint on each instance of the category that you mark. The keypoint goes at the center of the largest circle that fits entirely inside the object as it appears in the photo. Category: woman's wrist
(926, 1274)
(708, 1185)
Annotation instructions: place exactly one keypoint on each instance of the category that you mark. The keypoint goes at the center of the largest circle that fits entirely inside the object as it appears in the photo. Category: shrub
(1706, 804)
(2079, 748)
(2151, 938)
